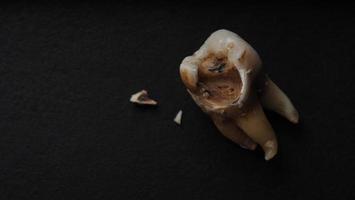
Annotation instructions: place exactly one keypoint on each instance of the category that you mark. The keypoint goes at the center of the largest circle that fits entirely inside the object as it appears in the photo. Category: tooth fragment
(258, 128)
(142, 98)
(273, 98)
(178, 117)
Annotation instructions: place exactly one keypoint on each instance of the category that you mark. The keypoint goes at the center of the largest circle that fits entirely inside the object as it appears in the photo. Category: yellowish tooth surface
(258, 128)
(230, 130)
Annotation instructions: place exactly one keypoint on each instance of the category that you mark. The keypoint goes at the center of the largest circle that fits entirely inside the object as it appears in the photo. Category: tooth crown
(225, 79)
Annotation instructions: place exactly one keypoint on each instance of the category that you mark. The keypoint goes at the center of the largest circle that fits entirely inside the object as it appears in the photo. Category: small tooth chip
(178, 117)
(142, 98)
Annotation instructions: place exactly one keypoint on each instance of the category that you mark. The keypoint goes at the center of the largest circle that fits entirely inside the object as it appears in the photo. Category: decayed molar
(222, 77)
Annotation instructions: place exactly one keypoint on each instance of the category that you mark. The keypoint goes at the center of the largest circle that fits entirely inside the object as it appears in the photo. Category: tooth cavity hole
(220, 83)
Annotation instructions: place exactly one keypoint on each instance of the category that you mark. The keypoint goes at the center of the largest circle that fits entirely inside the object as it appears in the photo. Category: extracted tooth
(275, 99)
(258, 128)
(142, 98)
(225, 79)
(230, 130)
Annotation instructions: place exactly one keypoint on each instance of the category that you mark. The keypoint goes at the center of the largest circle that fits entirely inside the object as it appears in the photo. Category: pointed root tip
(294, 117)
(270, 149)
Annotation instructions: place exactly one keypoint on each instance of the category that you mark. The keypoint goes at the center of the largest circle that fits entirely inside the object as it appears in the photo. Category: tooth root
(273, 98)
(230, 130)
(270, 149)
(258, 128)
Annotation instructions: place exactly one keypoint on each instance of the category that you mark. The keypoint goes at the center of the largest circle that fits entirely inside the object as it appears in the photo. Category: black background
(68, 131)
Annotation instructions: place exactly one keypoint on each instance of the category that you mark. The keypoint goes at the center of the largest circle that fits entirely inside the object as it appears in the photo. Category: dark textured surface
(67, 130)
